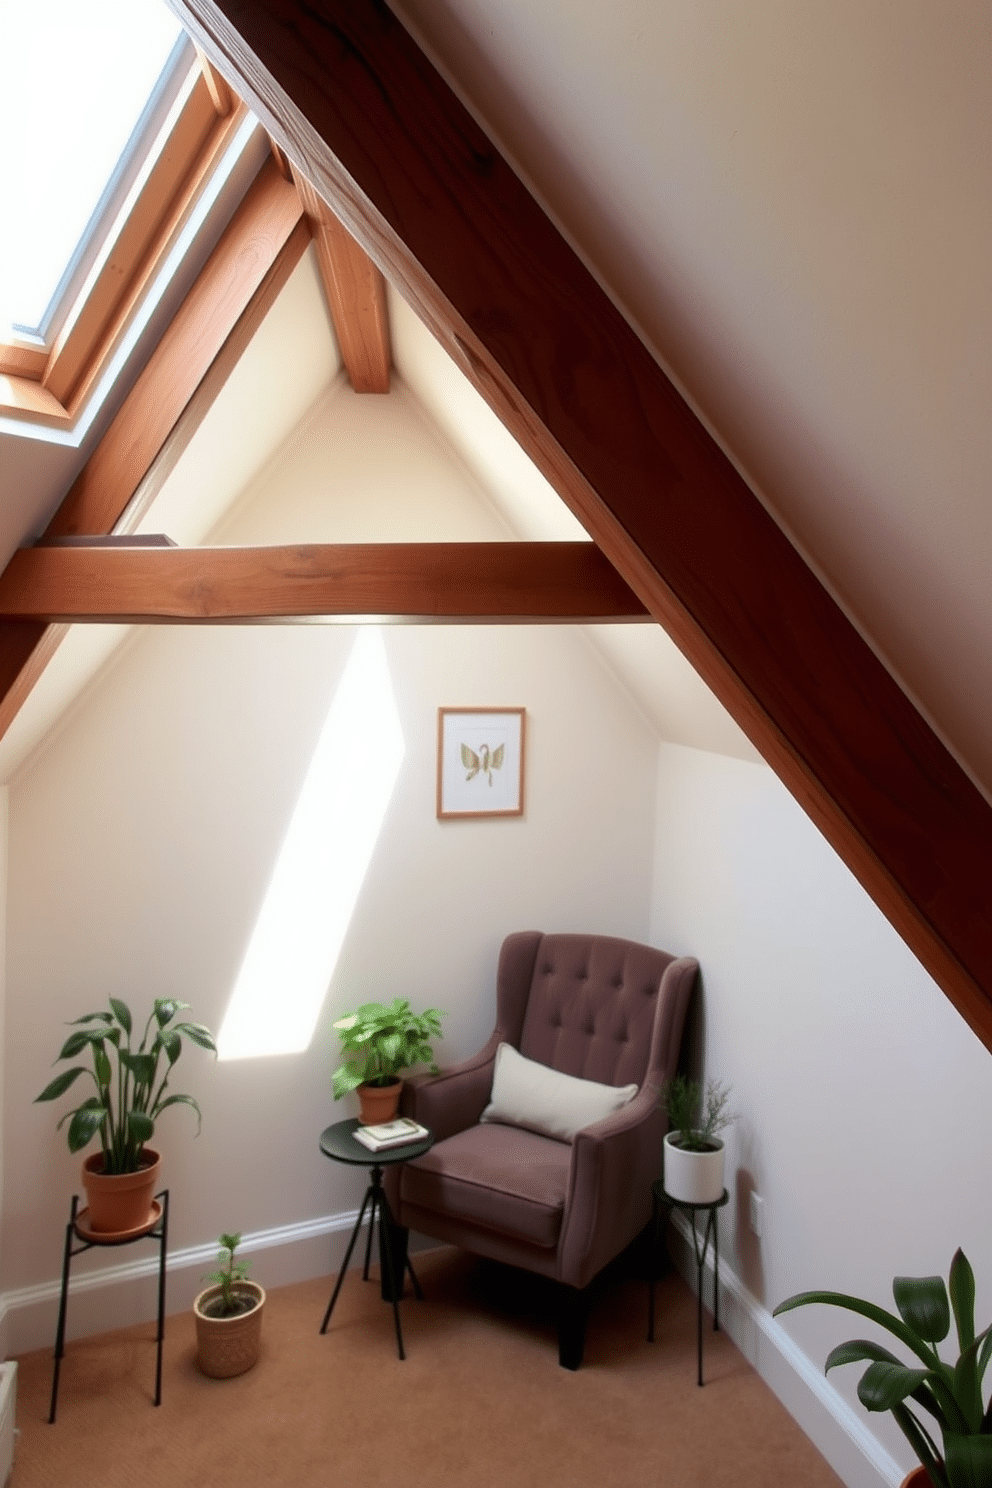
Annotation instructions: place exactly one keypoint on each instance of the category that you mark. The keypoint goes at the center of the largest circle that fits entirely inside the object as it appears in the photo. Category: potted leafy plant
(950, 1393)
(228, 1316)
(130, 1095)
(693, 1147)
(378, 1042)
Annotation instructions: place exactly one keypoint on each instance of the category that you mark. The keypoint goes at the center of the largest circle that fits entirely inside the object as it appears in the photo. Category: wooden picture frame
(480, 762)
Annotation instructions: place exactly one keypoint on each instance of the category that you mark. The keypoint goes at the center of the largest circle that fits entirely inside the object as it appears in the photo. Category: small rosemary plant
(697, 1115)
(229, 1273)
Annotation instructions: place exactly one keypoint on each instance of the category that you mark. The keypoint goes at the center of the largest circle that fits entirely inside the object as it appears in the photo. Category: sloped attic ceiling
(358, 107)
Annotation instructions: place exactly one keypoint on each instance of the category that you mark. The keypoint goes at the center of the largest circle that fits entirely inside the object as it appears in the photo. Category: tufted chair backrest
(591, 1007)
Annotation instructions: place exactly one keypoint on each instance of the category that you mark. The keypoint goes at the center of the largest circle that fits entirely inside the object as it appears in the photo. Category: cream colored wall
(143, 834)
(865, 1099)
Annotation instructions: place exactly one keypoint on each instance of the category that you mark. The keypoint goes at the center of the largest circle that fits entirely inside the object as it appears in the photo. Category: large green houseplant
(951, 1393)
(378, 1042)
(131, 1085)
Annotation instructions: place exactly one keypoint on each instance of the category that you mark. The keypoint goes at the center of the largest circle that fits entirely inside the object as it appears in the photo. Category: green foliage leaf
(968, 1460)
(101, 1065)
(173, 1046)
(142, 1066)
(122, 1013)
(76, 1042)
(139, 1127)
(199, 1035)
(180, 1100)
(92, 1018)
(923, 1305)
(961, 1282)
(856, 1352)
(345, 1079)
(61, 1083)
(886, 1383)
(166, 1009)
(967, 1382)
(85, 1123)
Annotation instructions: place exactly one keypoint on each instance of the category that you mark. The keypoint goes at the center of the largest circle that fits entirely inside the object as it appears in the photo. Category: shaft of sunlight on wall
(321, 865)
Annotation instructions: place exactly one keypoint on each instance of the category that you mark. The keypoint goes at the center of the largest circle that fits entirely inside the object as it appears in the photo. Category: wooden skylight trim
(51, 385)
(262, 244)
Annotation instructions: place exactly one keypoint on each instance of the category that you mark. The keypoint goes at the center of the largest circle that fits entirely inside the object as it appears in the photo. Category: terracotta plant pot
(226, 1346)
(378, 1102)
(693, 1177)
(918, 1478)
(119, 1203)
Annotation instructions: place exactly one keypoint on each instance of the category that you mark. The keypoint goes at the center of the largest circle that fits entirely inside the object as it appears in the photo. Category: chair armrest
(608, 1200)
(455, 1099)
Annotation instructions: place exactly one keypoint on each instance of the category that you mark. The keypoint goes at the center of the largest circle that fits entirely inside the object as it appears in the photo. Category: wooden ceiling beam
(356, 295)
(363, 114)
(499, 583)
(261, 246)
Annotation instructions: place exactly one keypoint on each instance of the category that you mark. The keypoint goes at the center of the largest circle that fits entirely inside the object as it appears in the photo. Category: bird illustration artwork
(484, 763)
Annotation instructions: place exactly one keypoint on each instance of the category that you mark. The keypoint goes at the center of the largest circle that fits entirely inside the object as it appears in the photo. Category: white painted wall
(143, 833)
(865, 1099)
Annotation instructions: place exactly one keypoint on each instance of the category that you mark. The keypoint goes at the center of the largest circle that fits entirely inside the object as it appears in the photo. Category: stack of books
(390, 1134)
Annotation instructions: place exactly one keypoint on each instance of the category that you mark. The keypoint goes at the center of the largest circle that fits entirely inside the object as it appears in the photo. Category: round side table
(338, 1142)
(664, 1201)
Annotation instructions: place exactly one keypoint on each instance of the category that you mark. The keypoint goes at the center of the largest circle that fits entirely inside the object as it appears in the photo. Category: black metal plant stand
(664, 1201)
(88, 1240)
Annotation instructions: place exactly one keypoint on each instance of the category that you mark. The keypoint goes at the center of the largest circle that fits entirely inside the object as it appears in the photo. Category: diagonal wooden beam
(363, 114)
(240, 281)
(453, 582)
(356, 295)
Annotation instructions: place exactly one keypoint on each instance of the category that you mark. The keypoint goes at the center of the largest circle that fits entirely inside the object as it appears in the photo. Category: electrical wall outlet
(757, 1212)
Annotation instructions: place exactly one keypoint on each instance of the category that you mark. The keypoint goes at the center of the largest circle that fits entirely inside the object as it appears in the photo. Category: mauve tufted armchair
(590, 1006)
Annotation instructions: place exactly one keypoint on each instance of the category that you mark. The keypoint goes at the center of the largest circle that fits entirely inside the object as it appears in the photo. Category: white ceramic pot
(693, 1177)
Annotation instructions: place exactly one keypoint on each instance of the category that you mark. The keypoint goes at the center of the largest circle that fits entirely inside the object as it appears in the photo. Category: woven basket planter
(228, 1345)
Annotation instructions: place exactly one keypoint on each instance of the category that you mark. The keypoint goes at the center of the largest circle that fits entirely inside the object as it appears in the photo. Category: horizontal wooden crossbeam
(423, 582)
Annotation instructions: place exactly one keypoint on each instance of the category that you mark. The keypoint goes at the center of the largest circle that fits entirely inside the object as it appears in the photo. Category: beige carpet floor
(480, 1401)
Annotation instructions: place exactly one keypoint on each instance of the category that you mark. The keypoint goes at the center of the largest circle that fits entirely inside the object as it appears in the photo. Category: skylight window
(84, 84)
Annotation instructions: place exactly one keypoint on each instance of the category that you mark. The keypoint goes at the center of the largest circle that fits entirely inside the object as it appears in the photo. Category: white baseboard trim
(102, 1298)
(843, 1437)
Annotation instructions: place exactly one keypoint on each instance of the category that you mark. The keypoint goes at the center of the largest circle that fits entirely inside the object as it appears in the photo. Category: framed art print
(480, 762)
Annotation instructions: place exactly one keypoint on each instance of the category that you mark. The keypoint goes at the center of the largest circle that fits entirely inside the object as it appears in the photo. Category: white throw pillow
(529, 1094)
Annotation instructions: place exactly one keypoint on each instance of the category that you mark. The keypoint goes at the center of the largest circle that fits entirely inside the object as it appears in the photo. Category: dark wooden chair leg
(572, 1317)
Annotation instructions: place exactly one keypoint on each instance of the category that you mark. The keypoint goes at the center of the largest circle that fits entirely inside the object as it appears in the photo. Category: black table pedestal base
(393, 1256)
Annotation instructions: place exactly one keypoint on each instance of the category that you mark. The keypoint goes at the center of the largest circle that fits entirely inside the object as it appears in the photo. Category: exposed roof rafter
(363, 114)
(356, 295)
